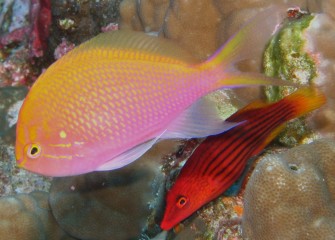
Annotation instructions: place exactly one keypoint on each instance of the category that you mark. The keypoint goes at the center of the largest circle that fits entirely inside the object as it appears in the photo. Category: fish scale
(220, 160)
(106, 102)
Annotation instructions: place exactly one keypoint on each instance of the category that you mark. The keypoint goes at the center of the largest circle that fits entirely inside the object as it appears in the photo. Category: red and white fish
(105, 103)
(220, 160)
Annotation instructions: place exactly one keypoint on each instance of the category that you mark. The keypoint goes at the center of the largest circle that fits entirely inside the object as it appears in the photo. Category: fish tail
(300, 102)
(305, 100)
(248, 43)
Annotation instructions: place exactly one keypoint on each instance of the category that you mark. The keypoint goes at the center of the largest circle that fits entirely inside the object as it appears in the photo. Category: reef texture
(11, 99)
(203, 26)
(302, 52)
(320, 36)
(28, 216)
(115, 204)
(291, 195)
(12, 179)
(128, 198)
(77, 21)
(24, 29)
(200, 26)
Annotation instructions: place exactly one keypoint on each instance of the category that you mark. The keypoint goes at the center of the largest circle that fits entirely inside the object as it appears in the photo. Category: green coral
(286, 58)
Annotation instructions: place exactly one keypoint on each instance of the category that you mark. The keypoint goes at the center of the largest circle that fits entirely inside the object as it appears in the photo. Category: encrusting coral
(28, 216)
(111, 205)
(320, 37)
(292, 195)
(200, 26)
(302, 52)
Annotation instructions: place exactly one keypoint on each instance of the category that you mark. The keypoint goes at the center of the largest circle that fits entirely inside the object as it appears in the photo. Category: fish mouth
(166, 225)
(20, 162)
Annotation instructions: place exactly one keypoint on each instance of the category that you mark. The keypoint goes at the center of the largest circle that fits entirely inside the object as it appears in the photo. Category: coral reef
(77, 21)
(113, 204)
(302, 52)
(12, 179)
(24, 29)
(28, 216)
(291, 195)
(320, 36)
(21, 20)
(200, 26)
(11, 99)
(17, 67)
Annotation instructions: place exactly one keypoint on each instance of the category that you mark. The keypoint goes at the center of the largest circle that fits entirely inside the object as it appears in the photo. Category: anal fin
(202, 119)
(127, 157)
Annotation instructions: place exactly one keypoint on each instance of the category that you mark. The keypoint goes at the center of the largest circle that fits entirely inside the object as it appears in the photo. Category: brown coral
(320, 38)
(27, 216)
(200, 26)
(110, 205)
(291, 195)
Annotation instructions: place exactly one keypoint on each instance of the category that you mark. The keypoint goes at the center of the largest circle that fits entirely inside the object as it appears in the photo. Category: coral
(113, 204)
(40, 16)
(12, 179)
(328, 7)
(320, 36)
(203, 26)
(77, 21)
(302, 52)
(17, 68)
(200, 26)
(291, 195)
(27, 216)
(180, 20)
(63, 48)
(11, 99)
(285, 56)
(24, 29)
(146, 15)
(15, 27)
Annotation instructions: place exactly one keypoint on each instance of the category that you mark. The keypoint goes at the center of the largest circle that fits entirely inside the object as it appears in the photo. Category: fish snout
(166, 224)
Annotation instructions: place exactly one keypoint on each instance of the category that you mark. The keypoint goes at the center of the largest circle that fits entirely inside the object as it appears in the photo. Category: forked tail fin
(248, 43)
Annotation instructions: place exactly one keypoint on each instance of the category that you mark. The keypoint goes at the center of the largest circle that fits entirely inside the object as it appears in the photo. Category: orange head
(45, 144)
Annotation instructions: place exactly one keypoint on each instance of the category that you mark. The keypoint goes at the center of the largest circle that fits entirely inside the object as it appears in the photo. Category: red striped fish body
(219, 160)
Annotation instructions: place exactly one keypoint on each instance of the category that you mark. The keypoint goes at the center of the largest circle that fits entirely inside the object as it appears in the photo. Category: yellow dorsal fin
(132, 44)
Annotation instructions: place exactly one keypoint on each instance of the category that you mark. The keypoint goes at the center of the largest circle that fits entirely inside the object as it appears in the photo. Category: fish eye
(181, 201)
(34, 150)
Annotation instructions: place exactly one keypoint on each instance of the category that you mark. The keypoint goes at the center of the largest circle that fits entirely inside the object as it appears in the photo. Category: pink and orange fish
(105, 103)
(220, 160)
